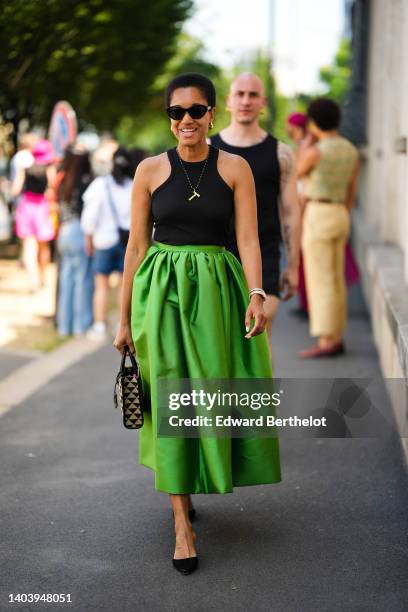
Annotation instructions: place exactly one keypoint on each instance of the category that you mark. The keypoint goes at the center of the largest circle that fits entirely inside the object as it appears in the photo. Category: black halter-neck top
(202, 220)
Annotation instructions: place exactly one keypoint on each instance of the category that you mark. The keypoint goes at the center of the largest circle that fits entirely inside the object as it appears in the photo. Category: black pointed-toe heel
(186, 566)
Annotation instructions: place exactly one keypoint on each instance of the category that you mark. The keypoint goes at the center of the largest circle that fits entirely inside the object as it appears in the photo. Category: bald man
(273, 167)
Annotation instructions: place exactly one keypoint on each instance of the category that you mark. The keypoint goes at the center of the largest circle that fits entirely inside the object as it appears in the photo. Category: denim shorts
(109, 260)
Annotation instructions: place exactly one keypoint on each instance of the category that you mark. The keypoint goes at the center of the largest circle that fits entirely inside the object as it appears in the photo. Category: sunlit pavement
(23, 313)
(80, 516)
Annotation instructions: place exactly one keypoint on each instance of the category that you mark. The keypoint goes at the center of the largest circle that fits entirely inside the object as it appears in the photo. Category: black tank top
(36, 179)
(264, 163)
(203, 220)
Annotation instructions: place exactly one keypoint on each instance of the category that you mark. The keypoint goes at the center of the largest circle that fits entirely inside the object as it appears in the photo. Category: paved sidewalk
(26, 319)
(11, 361)
(80, 516)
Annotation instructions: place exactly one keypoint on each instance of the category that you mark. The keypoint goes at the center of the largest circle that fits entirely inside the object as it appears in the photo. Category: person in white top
(102, 157)
(23, 159)
(105, 221)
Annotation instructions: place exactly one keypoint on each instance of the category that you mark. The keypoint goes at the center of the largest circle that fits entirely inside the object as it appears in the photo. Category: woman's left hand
(255, 312)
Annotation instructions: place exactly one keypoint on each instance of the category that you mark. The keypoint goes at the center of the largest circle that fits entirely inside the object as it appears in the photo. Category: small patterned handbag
(128, 392)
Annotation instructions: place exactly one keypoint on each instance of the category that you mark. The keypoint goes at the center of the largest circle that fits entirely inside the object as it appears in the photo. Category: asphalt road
(80, 516)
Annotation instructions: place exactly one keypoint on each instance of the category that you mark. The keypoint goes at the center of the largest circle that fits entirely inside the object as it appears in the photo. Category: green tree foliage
(336, 77)
(150, 130)
(100, 55)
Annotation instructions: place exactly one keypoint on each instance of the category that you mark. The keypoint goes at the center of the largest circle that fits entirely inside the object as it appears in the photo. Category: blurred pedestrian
(105, 221)
(33, 215)
(296, 128)
(23, 158)
(75, 290)
(136, 156)
(331, 166)
(102, 157)
(274, 170)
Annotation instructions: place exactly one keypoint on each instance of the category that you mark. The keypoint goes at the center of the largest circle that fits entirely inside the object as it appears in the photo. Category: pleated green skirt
(188, 311)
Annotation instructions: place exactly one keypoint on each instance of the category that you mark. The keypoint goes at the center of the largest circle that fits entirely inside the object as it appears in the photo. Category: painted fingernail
(247, 328)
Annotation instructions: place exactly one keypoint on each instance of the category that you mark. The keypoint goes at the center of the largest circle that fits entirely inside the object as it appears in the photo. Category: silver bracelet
(259, 291)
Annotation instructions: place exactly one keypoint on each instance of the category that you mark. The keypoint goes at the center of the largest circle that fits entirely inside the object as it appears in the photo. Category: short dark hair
(192, 79)
(122, 166)
(325, 113)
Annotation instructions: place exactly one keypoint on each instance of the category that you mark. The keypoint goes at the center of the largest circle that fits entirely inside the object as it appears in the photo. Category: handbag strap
(127, 353)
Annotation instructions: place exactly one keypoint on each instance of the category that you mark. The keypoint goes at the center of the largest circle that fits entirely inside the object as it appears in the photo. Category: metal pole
(270, 89)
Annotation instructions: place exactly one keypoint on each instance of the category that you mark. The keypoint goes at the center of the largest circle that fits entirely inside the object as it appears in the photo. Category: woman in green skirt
(189, 308)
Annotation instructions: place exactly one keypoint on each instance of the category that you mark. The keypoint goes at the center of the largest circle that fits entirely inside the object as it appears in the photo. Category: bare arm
(51, 172)
(352, 188)
(246, 224)
(289, 207)
(290, 215)
(50, 192)
(18, 183)
(139, 242)
(307, 160)
(246, 229)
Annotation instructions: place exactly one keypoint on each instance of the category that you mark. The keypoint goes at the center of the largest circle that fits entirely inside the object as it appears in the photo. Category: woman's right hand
(124, 337)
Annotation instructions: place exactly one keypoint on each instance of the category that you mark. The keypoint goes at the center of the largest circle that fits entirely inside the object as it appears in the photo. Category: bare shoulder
(233, 168)
(232, 160)
(311, 153)
(152, 171)
(152, 164)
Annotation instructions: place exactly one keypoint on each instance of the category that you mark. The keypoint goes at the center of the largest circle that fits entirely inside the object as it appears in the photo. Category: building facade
(377, 111)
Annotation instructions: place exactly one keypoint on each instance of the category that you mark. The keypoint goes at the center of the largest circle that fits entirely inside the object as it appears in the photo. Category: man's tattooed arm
(286, 160)
(289, 209)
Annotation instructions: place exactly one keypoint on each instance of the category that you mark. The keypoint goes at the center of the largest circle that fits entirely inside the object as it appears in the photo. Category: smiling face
(246, 98)
(190, 132)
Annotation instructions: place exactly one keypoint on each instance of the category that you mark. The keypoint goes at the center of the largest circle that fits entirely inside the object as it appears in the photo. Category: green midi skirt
(188, 321)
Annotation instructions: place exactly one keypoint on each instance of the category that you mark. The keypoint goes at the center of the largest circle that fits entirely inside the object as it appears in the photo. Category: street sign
(63, 127)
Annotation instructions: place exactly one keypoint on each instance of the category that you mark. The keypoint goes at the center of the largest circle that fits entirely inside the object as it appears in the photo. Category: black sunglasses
(196, 111)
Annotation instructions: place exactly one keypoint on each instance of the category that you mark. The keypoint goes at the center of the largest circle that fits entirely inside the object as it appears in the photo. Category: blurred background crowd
(79, 111)
(45, 217)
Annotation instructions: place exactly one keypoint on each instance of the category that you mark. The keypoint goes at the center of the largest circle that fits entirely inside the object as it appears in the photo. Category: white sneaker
(98, 332)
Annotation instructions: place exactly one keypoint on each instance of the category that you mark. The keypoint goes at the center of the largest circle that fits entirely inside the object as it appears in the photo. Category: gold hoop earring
(211, 125)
